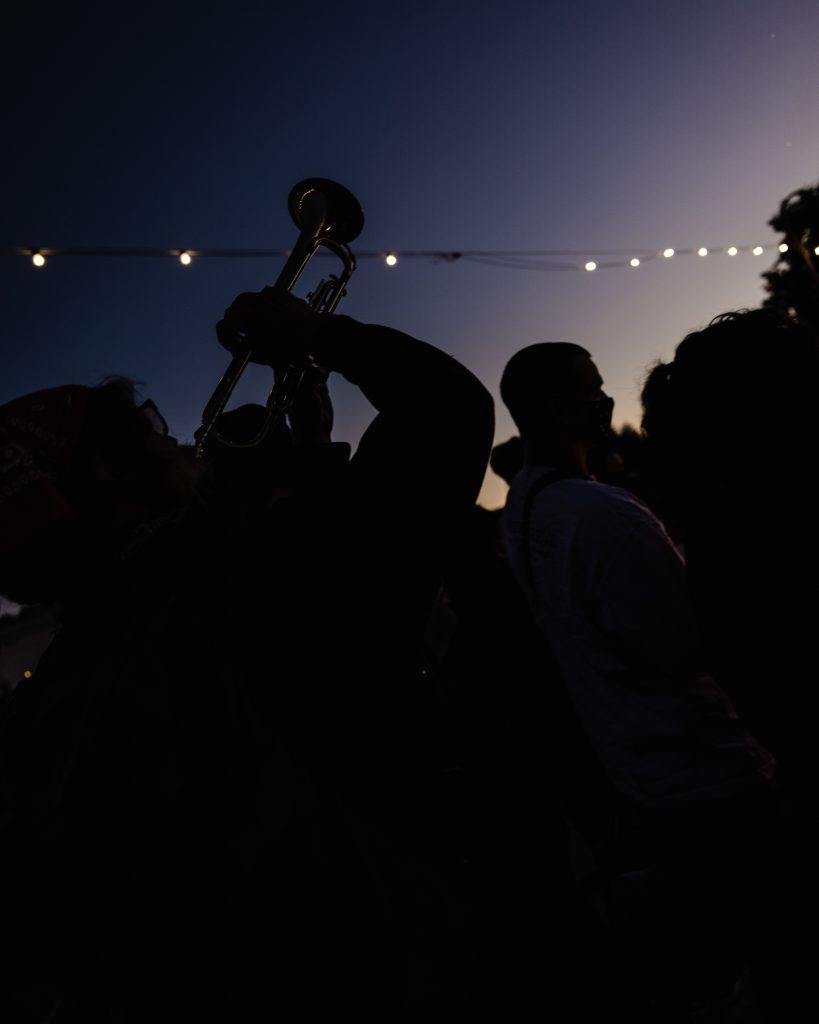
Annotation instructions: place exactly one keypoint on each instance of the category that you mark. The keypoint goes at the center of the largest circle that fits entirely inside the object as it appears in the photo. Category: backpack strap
(549, 476)
(587, 797)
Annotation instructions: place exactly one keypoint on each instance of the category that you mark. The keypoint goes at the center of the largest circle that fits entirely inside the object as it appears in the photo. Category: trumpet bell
(329, 208)
(328, 216)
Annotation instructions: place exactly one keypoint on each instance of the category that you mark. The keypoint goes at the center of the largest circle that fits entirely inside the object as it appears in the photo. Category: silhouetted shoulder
(581, 498)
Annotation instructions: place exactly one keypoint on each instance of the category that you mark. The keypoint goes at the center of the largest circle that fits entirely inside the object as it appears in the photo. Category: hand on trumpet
(279, 328)
(280, 331)
(311, 414)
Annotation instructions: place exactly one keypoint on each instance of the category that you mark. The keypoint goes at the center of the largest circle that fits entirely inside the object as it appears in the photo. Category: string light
(816, 251)
(543, 260)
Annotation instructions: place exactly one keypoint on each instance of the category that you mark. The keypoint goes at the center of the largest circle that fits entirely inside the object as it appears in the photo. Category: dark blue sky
(485, 126)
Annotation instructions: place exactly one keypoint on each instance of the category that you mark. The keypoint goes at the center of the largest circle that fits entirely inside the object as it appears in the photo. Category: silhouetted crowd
(320, 735)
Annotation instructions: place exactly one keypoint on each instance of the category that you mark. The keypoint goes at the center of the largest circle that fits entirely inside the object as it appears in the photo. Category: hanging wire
(535, 259)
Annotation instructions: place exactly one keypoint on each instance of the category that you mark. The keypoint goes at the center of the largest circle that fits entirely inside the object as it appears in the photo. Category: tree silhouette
(793, 282)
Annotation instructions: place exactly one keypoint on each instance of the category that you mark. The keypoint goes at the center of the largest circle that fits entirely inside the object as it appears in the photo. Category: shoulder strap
(586, 795)
(550, 476)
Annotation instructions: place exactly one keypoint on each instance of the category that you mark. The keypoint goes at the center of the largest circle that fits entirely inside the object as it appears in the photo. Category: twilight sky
(459, 126)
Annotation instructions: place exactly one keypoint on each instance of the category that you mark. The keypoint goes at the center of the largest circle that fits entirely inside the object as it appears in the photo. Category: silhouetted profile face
(582, 405)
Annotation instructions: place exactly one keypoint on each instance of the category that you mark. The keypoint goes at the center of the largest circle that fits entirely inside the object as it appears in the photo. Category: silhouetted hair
(111, 424)
(749, 376)
(114, 430)
(533, 374)
(655, 399)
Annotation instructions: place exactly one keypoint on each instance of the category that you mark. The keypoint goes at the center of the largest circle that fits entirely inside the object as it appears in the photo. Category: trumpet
(329, 216)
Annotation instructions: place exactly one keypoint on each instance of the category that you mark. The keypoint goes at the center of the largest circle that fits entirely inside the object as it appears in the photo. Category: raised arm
(433, 431)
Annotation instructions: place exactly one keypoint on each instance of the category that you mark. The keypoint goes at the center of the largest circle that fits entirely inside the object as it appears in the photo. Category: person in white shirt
(607, 587)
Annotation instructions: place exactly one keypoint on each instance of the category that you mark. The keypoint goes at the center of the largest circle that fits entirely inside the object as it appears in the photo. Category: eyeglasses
(154, 417)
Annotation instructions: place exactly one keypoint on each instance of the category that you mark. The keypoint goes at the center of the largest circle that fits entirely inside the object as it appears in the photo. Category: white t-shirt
(607, 587)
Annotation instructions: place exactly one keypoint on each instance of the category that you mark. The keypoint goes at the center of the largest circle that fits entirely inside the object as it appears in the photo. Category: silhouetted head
(555, 395)
(739, 393)
(80, 463)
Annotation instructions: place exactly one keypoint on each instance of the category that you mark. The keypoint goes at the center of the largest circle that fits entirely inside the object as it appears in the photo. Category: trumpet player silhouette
(215, 785)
